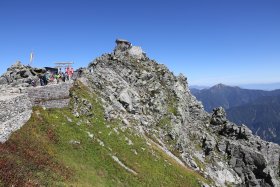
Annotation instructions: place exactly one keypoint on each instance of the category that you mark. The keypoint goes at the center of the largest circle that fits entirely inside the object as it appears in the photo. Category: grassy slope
(41, 153)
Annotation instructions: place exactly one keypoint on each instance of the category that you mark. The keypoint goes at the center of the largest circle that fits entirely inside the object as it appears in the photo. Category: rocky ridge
(147, 97)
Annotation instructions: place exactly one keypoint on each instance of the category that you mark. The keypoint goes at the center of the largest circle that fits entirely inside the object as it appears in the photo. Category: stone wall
(50, 96)
(16, 109)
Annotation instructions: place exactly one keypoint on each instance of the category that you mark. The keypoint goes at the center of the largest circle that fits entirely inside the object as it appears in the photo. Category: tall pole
(31, 58)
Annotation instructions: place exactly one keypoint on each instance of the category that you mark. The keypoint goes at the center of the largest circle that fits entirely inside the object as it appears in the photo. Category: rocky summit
(142, 96)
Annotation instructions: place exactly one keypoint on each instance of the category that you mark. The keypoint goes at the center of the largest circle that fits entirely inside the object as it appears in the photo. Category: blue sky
(210, 41)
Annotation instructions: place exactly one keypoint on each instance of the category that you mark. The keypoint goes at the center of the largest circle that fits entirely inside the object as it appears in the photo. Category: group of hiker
(54, 77)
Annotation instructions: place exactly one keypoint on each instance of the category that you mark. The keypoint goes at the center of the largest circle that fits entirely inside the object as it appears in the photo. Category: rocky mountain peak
(222, 87)
(219, 86)
(149, 98)
(17, 65)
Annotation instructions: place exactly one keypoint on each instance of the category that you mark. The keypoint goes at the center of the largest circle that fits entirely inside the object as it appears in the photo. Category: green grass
(40, 153)
(172, 105)
(165, 123)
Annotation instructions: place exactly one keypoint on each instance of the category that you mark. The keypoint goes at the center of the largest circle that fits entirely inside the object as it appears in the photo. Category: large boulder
(208, 144)
(218, 116)
(125, 48)
(3, 80)
(136, 52)
(251, 166)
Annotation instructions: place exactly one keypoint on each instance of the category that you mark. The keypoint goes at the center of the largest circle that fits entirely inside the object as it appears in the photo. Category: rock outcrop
(15, 110)
(155, 102)
(255, 161)
(125, 48)
(19, 74)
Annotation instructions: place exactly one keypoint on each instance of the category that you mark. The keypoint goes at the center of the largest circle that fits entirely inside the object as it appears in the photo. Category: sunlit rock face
(146, 94)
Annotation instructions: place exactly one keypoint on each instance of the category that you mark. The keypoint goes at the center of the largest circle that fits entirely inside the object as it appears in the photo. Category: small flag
(31, 57)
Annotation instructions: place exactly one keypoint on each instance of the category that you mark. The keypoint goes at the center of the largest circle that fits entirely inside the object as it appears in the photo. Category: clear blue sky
(210, 41)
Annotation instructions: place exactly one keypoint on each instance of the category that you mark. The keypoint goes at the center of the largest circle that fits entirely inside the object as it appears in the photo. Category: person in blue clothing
(46, 78)
(41, 79)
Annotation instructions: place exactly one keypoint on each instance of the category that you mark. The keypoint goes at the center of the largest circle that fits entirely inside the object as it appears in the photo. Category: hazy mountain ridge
(258, 109)
(228, 97)
(261, 115)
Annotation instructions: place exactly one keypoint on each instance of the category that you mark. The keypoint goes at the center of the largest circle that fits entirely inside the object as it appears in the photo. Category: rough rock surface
(50, 96)
(19, 74)
(154, 101)
(15, 110)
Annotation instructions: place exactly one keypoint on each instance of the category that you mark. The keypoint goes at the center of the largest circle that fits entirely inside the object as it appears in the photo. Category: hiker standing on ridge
(69, 72)
(80, 71)
(41, 79)
(62, 75)
(57, 77)
(46, 77)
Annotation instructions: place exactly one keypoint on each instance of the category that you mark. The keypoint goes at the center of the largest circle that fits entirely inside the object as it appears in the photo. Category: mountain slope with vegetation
(55, 148)
(132, 122)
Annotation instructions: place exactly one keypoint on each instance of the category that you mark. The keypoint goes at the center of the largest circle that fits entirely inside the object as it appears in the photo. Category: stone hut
(122, 45)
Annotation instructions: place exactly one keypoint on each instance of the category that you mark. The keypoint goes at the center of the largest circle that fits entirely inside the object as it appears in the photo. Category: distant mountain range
(254, 86)
(258, 109)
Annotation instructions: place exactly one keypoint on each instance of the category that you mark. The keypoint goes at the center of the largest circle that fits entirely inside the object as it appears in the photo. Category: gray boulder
(218, 116)
(20, 75)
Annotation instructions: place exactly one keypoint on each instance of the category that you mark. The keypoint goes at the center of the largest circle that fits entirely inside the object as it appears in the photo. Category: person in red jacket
(69, 72)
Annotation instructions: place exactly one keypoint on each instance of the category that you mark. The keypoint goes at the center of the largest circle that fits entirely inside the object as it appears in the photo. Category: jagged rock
(20, 75)
(251, 166)
(160, 103)
(218, 116)
(222, 146)
(239, 132)
(126, 100)
(193, 164)
(17, 65)
(208, 144)
(3, 80)
(136, 52)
